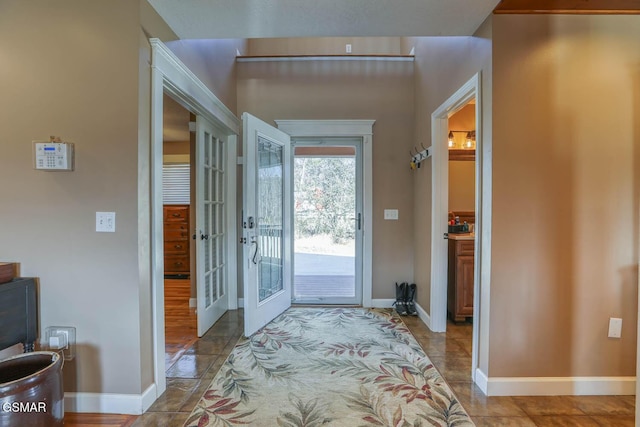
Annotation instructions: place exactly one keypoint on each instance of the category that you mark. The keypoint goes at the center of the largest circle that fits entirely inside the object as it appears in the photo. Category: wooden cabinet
(460, 279)
(176, 240)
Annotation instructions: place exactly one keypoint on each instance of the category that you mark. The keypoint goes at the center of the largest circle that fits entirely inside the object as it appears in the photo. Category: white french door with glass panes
(266, 224)
(212, 299)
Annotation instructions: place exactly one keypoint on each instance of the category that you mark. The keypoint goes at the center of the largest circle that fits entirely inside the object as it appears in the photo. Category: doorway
(348, 130)
(440, 213)
(180, 327)
(216, 137)
(327, 215)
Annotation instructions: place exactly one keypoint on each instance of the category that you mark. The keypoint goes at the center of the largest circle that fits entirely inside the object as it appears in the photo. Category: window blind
(176, 180)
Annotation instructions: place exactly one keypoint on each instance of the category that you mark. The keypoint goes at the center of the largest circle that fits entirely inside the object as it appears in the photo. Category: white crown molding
(325, 58)
(177, 75)
(326, 128)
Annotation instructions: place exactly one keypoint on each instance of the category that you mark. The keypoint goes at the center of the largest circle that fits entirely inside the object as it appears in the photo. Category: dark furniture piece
(18, 313)
(176, 240)
(460, 279)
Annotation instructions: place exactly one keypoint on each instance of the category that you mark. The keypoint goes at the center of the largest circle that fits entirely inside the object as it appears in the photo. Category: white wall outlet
(391, 214)
(106, 222)
(348, 48)
(615, 327)
(61, 338)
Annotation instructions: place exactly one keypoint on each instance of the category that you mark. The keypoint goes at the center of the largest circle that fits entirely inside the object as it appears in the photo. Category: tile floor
(190, 375)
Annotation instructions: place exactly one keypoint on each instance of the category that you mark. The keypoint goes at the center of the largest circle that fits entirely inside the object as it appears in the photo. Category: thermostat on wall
(53, 156)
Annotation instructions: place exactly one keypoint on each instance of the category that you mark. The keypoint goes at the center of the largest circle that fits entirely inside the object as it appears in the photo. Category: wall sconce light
(468, 144)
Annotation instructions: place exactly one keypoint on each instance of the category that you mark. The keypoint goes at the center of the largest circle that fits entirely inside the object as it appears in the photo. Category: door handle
(358, 220)
(446, 236)
(254, 258)
(204, 236)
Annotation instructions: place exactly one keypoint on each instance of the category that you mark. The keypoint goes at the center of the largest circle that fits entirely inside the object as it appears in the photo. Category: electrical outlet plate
(61, 338)
(106, 222)
(615, 327)
(391, 214)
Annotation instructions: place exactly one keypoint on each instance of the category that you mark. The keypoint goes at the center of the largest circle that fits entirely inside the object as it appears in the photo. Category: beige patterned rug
(329, 367)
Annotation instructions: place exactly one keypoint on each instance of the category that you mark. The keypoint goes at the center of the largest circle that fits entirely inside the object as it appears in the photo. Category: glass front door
(328, 222)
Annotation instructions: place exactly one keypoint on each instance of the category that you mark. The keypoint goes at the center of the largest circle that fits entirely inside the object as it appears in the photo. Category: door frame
(440, 188)
(357, 145)
(348, 129)
(169, 75)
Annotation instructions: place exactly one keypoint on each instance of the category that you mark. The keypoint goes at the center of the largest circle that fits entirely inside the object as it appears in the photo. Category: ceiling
(221, 19)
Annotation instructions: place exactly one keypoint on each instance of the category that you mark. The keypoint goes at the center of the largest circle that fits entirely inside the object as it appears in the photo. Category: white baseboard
(557, 386)
(240, 302)
(481, 380)
(423, 315)
(193, 302)
(382, 303)
(110, 403)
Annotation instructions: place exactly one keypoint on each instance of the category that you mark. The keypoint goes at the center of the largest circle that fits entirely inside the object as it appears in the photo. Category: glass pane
(207, 246)
(221, 284)
(324, 222)
(207, 148)
(270, 218)
(207, 184)
(214, 152)
(214, 251)
(207, 290)
(212, 283)
(220, 155)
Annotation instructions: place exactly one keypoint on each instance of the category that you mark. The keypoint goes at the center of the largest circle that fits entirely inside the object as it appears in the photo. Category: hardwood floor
(98, 420)
(180, 320)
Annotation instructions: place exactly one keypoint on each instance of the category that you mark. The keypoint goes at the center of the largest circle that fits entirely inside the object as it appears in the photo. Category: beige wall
(59, 76)
(325, 46)
(566, 162)
(214, 63)
(442, 66)
(352, 90)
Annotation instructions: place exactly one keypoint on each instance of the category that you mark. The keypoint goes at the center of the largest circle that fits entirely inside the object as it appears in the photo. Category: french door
(266, 223)
(210, 234)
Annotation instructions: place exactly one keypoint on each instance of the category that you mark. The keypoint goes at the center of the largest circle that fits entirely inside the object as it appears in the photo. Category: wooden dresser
(460, 277)
(176, 240)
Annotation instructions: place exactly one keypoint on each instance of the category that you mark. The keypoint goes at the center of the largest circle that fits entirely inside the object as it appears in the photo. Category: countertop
(462, 236)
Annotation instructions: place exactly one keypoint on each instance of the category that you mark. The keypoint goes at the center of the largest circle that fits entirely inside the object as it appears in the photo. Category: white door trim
(348, 128)
(440, 186)
(169, 75)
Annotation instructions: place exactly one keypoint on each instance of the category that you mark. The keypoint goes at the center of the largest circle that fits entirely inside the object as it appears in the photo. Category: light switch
(106, 222)
(391, 214)
(615, 327)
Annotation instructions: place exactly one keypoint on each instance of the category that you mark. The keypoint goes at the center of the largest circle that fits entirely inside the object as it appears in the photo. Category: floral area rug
(329, 367)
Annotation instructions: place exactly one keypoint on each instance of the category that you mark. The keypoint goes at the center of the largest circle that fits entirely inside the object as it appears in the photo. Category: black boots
(401, 305)
(410, 296)
(405, 293)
